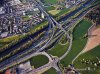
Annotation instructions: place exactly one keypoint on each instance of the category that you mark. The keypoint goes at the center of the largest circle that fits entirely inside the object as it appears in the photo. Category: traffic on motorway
(32, 36)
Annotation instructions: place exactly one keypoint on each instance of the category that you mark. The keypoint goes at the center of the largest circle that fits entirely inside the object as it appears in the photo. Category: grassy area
(26, 18)
(50, 71)
(78, 42)
(61, 13)
(50, 8)
(63, 40)
(90, 72)
(58, 50)
(64, 11)
(38, 61)
(38, 26)
(50, 1)
(54, 12)
(81, 29)
(91, 58)
(8, 40)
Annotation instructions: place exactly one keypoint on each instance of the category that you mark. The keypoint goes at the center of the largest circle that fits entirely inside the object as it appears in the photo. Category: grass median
(59, 49)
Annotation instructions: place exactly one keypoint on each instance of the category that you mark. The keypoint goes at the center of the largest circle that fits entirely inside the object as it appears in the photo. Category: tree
(60, 1)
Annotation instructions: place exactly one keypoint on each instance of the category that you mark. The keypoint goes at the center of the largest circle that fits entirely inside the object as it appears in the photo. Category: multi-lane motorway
(11, 61)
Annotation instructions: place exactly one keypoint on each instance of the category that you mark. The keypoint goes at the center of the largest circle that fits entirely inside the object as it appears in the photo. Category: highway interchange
(55, 35)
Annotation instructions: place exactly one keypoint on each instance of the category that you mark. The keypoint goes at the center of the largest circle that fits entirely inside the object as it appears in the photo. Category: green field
(10, 39)
(58, 50)
(38, 26)
(7, 40)
(50, 8)
(50, 71)
(58, 13)
(39, 61)
(54, 12)
(63, 40)
(62, 12)
(25, 18)
(50, 1)
(91, 57)
(78, 41)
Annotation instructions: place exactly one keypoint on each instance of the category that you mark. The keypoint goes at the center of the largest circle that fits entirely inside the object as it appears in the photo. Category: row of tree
(94, 15)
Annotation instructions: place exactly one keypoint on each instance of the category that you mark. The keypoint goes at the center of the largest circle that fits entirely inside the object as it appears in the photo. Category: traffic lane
(23, 41)
(15, 56)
